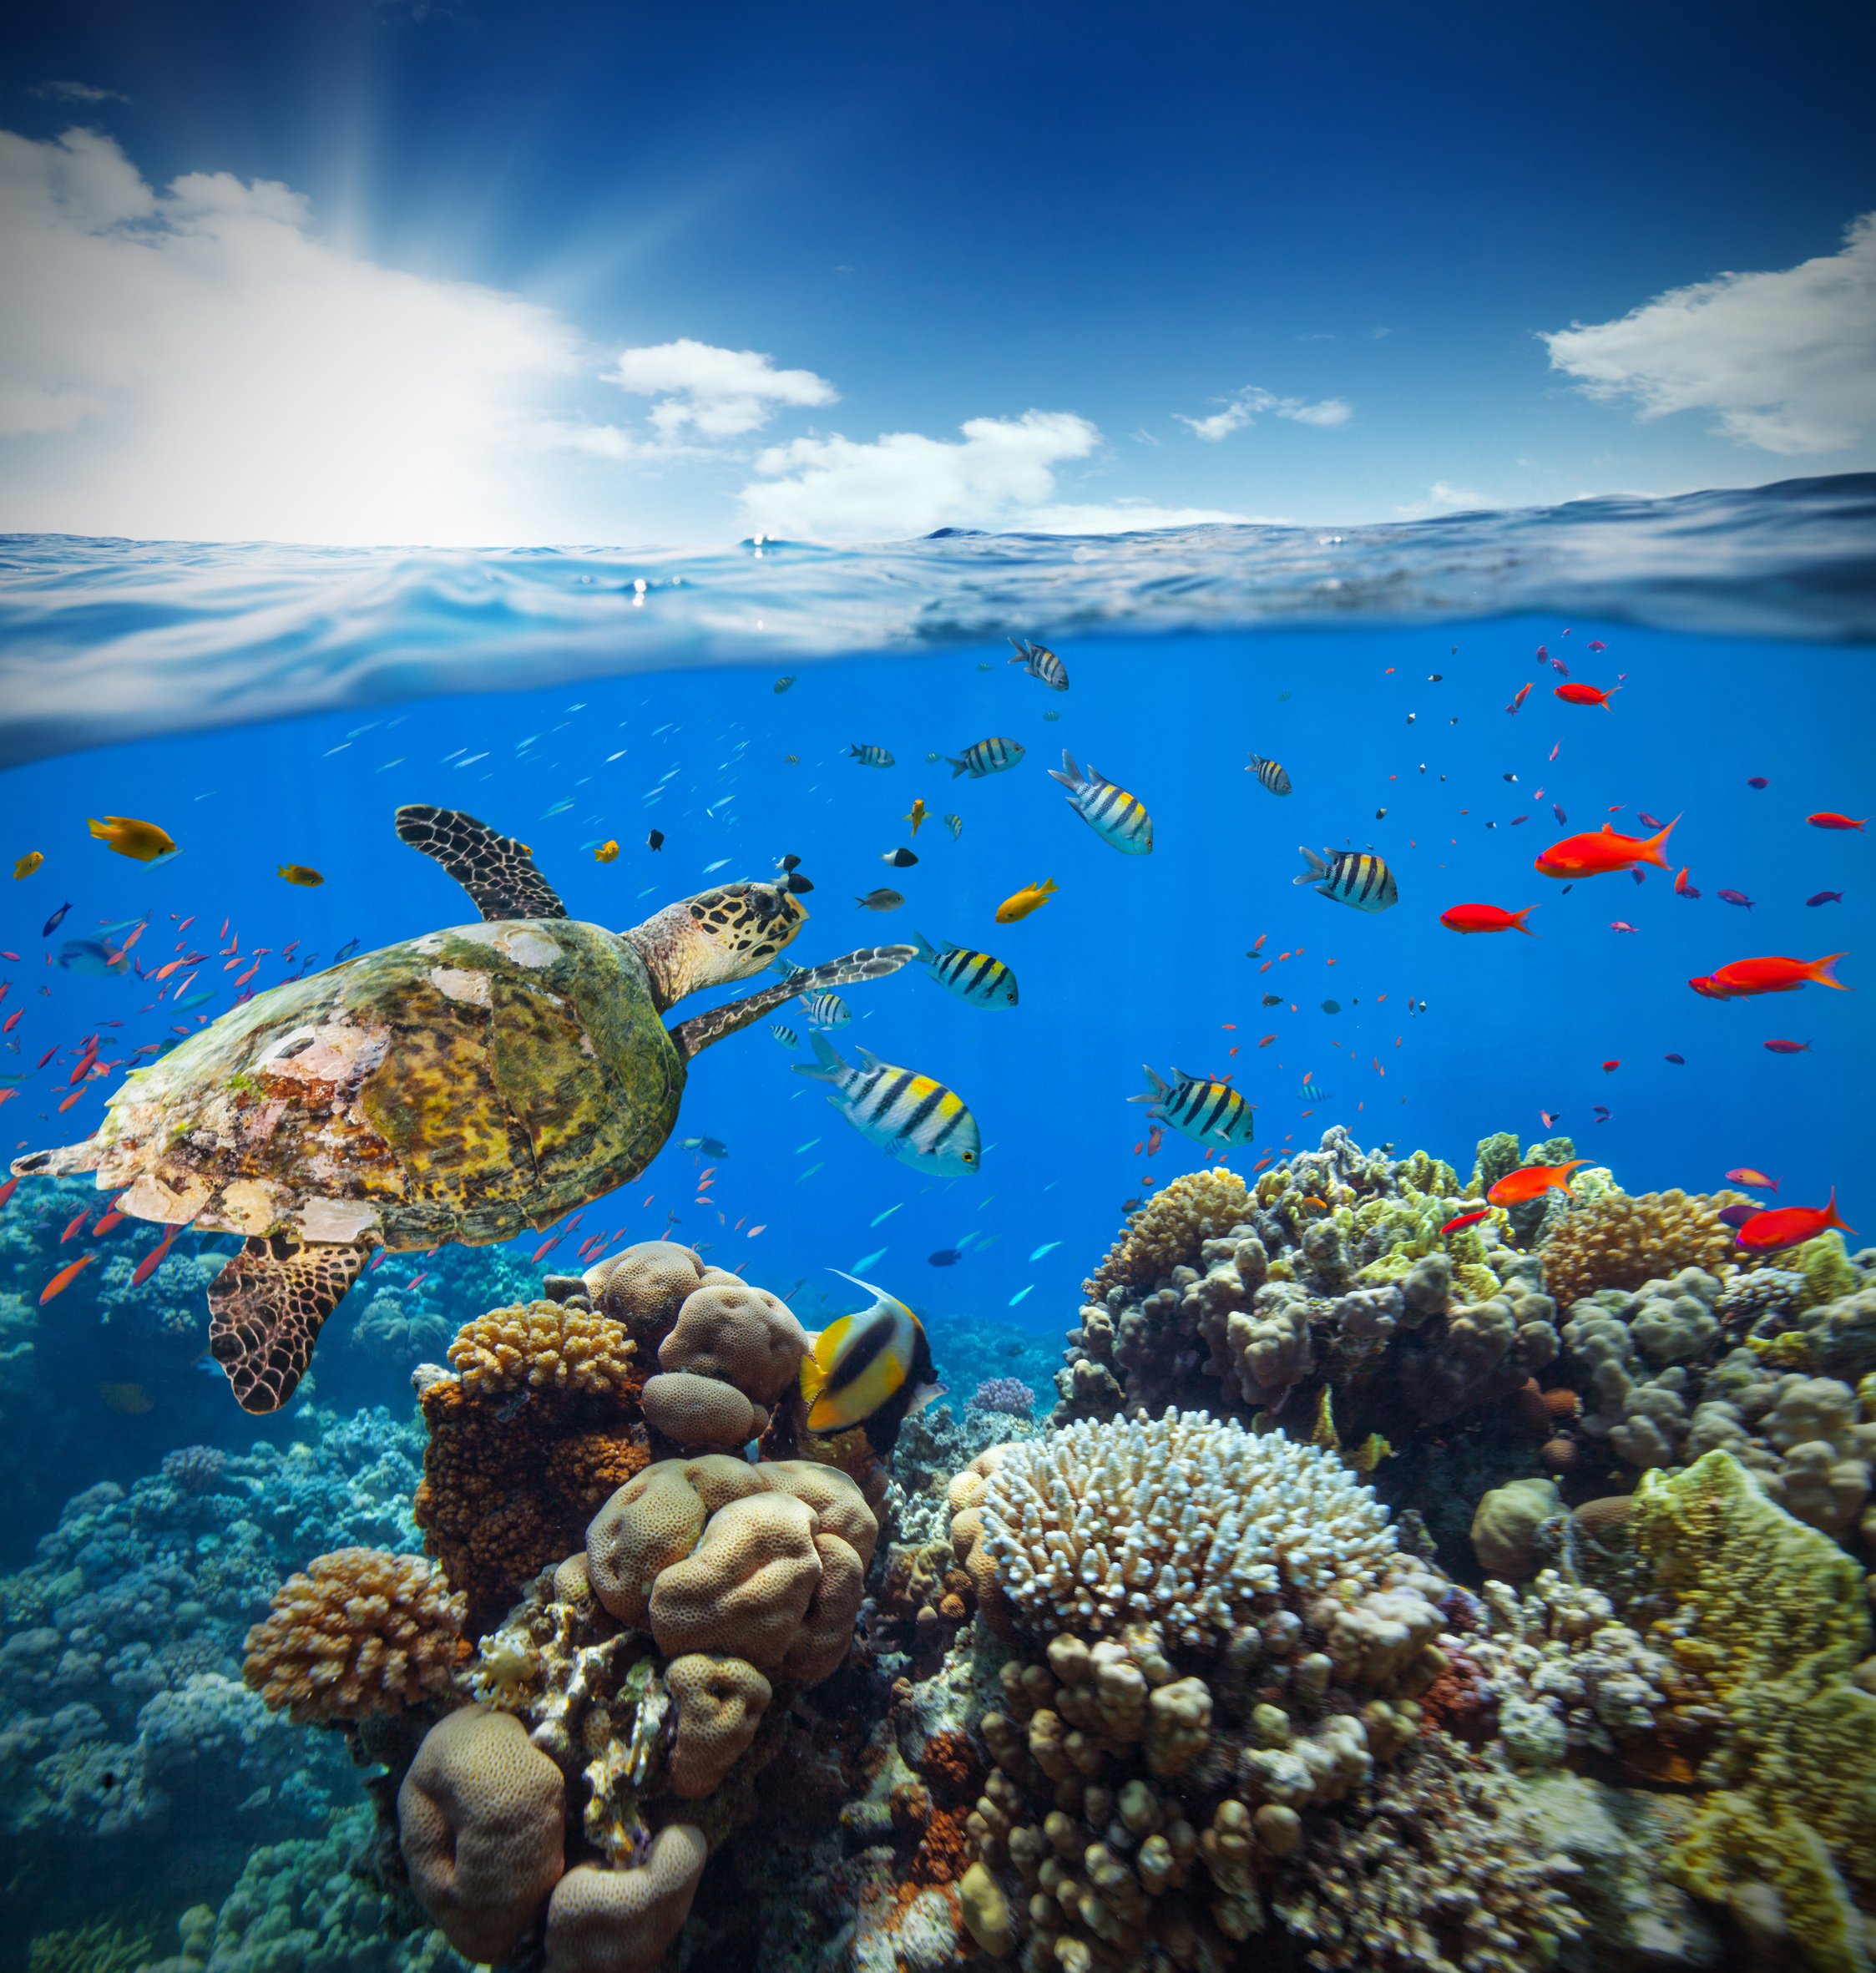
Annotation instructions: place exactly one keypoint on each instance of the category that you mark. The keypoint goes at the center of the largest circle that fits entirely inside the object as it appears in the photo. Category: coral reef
(1620, 1242)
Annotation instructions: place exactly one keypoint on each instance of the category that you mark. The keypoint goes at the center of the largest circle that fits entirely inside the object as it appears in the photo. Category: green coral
(1825, 1264)
(103, 1946)
(1772, 1615)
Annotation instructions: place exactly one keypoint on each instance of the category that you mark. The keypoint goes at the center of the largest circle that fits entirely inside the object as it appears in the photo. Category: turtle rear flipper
(497, 871)
(873, 962)
(266, 1308)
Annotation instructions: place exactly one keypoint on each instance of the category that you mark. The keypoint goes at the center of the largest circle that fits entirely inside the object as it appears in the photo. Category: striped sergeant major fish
(1200, 1107)
(972, 976)
(827, 1011)
(1355, 876)
(1117, 817)
(870, 757)
(1310, 1094)
(1039, 662)
(955, 823)
(1270, 773)
(986, 757)
(912, 1118)
(787, 1036)
(872, 1369)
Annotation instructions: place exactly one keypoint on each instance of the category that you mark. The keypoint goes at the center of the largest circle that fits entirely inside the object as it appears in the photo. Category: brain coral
(720, 1701)
(359, 1631)
(620, 1921)
(480, 1816)
(1620, 1242)
(1170, 1229)
(739, 1335)
(645, 1286)
(1184, 1520)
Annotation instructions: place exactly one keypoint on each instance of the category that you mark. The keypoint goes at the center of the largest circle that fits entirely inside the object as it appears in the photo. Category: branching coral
(1620, 1242)
(358, 1632)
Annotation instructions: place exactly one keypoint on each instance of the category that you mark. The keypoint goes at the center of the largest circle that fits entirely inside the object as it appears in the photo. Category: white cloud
(78, 92)
(904, 483)
(1245, 407)
(716, 393)
(1787, 360)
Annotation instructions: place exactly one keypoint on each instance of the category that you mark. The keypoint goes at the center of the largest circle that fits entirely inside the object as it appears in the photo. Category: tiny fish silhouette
(1734, 897)
(1826, 897)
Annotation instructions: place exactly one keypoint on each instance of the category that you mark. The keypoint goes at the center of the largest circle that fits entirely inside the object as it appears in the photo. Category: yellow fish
(874, 1369)
(28, 864)
(129, 837)
(606, 851)
(128, 1400)
(301, 874)
(1031, 897)
(917, 813)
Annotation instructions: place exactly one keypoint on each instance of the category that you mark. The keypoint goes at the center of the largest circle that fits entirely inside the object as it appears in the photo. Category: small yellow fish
(300, 873)
(28, 864)
(606, 851)
(129, 837)
(1031, 897)
(916, 814)
(128, 1400)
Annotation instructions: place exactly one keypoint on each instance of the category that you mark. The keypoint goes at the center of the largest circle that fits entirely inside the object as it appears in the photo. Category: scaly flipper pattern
(266, 1308)
(875, 962)
(497, 871)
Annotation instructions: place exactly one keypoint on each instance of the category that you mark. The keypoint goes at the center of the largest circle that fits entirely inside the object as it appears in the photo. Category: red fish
(64, 1278)
(1619, 924)
(1682, 888)
(1466, 1219)
(543, 1247)
(1517, 698)
(45, 1058)
(1774, 973)
(1532, 1181)
(8, 1189)
(1828, 818)
(1487, 917)
(1784, 1226)
(1703, 984)
(74, 1225)
(1749, 1175)
(12, 1021)
(111, 1219)
(1578, 694)
(1603, 853)
(1607, 1066)
(1789, 1047)
(1826, 897)
(1596, 644)
(154, 1258)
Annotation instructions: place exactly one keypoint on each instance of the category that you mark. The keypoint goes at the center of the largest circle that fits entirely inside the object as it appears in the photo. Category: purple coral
(1005, 1394)
(194, 1469)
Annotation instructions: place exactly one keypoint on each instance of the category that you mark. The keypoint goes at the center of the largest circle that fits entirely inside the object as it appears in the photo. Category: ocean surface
(273, 706)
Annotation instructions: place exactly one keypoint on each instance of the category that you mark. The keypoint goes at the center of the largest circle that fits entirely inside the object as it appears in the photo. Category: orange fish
(1532, 1181)
(1603, 853)
(1775, 974)
(1828, 818)
(155, 1258)
(64, 1278)
(1586, 695)
(1750, 1174)
(1517, 698)
(1465, 1220)
(1784, 1227)
(1487, 917)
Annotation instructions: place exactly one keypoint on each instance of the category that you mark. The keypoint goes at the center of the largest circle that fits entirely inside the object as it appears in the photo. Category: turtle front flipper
(874, 961)
(266, 1308)
(497, 871)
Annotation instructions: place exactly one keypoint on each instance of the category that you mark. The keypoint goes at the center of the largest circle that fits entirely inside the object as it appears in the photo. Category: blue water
(270, 706)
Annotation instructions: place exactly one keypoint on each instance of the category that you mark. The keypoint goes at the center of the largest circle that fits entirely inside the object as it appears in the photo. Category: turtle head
(719, 936)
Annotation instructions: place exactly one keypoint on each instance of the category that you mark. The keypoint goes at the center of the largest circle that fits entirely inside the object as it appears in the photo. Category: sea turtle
(462, 1086)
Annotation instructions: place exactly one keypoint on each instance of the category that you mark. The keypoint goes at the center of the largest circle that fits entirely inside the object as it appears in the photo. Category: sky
(346, 271)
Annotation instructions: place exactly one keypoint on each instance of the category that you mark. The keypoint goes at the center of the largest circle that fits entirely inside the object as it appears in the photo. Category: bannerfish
(1021, 903)
(972, 976)
(1200, 1107)
(1119, 819)
(308, 879)
(869, 756)
(1040, 662)
(145, 841)
(1355, 877)
(987, 757)
(872, 1369)
(1270, 774)
(882, 900)
(1532, 1181)
(28, 864)
(910, 1117)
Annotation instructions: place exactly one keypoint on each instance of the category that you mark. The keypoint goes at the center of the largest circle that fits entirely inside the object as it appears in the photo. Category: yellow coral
(1772, 1615)
(1620, 1242)
(1170, 1229)
(359, 1631)
(543, 1346)
(1825, 1264)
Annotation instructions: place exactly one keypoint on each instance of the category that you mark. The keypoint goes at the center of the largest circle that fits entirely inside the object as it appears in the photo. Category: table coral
(358, 1632)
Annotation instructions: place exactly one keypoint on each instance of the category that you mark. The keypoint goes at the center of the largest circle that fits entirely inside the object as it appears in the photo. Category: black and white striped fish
(1352, 876)
(972, 976)
(870, 757)
(986, 757)
(826, 1010)
(910, 1117)
(1040, 663)
(787, 1036)
(1200, 1107)
(955, 823)
(1116, 816)
(1270, 774)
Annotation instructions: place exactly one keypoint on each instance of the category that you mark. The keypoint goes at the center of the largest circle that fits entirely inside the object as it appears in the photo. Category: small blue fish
(346, 951)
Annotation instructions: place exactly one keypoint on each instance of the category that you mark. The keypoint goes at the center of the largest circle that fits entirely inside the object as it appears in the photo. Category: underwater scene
(1092, 1254)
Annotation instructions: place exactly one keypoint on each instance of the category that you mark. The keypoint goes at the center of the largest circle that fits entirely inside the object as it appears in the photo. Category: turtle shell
(464, 1085)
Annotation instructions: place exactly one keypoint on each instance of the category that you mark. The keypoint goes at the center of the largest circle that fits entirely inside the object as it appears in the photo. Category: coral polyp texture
(1619, 1240)
(544, 1347)
(1185, 1520)
(357, 1632)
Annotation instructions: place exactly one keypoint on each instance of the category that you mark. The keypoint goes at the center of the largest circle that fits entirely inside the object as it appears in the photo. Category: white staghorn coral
(1186, 1520)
